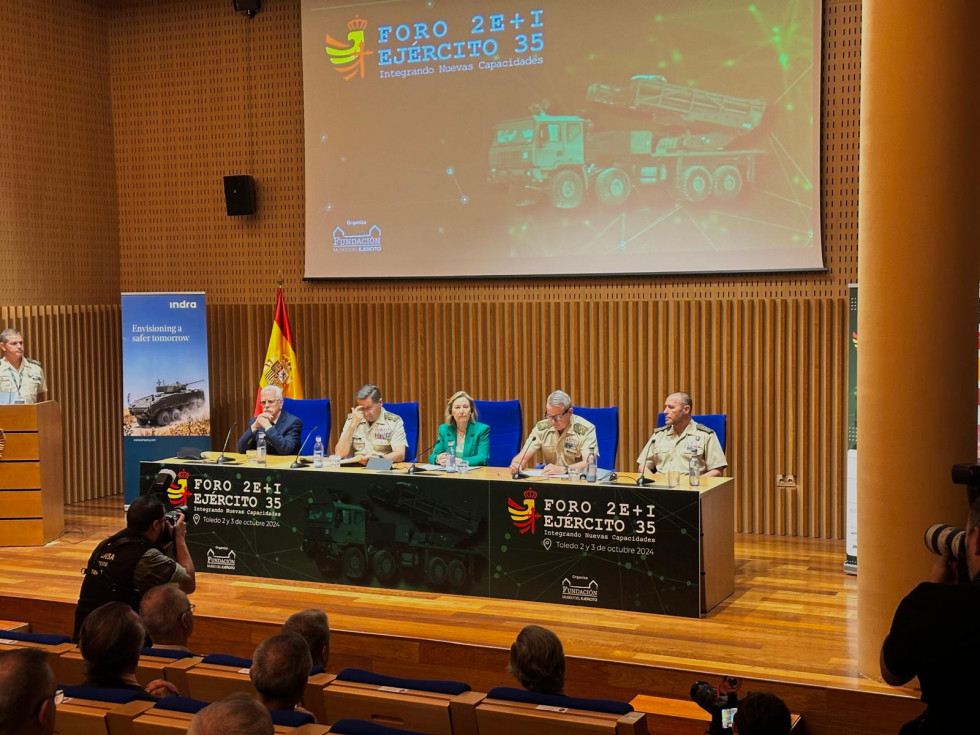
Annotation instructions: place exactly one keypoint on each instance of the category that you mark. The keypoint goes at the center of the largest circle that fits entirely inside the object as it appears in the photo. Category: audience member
(312, 625)
(537, 660)
(27, 693)
(127, 564)
(280, 668)
(236, 714)
(110, 642)
(935, 636)
(168, 616)
(761, 713)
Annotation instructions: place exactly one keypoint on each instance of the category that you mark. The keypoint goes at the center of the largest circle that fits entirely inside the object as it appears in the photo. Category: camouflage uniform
(26, 382)
(673, 452)
(379, 438)
(567, 448)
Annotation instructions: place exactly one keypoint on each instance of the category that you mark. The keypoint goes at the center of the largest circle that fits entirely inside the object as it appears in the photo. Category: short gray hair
(312, 625)
(161, 608)
(280, 667)
(236, 714)
(368, 391)
(275, 389)
(7, 333)
(559, 398)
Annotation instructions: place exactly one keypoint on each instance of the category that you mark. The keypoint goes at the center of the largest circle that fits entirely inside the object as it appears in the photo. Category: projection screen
(454, 138)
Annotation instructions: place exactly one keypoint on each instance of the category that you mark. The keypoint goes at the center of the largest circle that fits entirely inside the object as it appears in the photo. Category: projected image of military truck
(402, 534)
(672, 138)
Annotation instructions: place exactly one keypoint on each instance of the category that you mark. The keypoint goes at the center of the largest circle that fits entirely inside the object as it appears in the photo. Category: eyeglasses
(190, 609)
(58, 697)
(557, 416)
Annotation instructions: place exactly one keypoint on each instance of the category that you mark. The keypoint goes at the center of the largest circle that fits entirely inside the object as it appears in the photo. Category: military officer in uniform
(564, 439)
(672, 445)
(371, 431)
(19, 375)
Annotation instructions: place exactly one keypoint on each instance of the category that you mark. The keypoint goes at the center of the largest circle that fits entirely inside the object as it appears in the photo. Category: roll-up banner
(166, 400)
(850, 562)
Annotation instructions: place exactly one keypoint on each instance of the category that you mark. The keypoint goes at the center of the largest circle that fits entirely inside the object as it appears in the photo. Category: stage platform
(790, 627)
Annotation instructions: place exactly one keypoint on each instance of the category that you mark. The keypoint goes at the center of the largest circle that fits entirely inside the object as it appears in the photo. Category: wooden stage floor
(790, 627)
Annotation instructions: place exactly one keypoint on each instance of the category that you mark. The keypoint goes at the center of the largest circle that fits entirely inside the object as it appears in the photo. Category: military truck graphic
(422, 538)
(168, 404)
(682, 143)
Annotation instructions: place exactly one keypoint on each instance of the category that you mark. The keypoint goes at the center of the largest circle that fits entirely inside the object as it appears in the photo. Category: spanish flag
(280, 366)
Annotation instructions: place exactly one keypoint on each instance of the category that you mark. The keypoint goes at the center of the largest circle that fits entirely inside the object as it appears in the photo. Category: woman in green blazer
(472, 439)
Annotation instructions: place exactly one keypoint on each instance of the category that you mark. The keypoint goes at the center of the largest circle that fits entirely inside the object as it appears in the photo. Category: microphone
(413, 470)
(642, 479)
(296, 462)
(222, 459)
(518, 473)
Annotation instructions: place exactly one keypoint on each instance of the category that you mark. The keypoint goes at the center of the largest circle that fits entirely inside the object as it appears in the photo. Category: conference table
(612, 544)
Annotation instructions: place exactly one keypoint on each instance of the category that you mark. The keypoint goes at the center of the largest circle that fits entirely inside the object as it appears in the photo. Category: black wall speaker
(247, 6)
(239, 195)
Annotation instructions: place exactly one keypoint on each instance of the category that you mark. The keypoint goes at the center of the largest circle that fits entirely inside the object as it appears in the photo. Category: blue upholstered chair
(413, 704)
(409, 413)
(506, 422)
(606, 422)
(557, 701)
(350, 726)
(312, 412)
(717, 422)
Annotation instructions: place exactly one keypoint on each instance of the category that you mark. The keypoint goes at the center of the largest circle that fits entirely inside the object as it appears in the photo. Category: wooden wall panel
(58, 235)
(773, 366)
(164, 102)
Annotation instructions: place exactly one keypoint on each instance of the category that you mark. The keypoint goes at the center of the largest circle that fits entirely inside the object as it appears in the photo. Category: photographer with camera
(935, 635)
(151, 550)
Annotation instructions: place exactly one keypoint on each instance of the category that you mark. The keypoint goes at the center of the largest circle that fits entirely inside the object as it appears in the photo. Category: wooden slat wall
(80, 348)
(165, 101)
(776, 367)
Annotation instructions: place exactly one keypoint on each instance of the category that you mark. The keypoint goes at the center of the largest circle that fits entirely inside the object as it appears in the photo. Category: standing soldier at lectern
(19, 375)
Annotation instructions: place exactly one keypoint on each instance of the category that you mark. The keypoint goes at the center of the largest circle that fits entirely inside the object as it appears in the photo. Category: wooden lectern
(32, 475)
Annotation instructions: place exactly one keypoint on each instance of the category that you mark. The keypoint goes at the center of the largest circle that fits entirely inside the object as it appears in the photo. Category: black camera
(172, 515)
(941, 538)
(720, 703)
(969, 475)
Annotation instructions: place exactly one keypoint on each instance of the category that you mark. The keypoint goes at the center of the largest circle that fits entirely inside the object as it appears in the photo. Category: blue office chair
(409, 413)
(506, 422)
(312, 412)
(606, 422)
(717, 422)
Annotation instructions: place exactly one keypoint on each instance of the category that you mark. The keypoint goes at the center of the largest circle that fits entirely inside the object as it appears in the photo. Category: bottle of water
(695, 476)
(260, 448)
(590, 467)
(318, 453)
(451, 457)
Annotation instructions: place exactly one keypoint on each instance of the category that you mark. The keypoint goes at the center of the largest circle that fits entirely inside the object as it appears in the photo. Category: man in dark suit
(282, 429)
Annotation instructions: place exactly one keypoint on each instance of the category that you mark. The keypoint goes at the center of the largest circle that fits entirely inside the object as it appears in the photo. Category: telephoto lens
(939, 537)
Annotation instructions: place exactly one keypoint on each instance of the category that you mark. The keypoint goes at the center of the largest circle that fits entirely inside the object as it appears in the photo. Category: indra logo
(178, 492)
(348, 58)
(524, 516)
